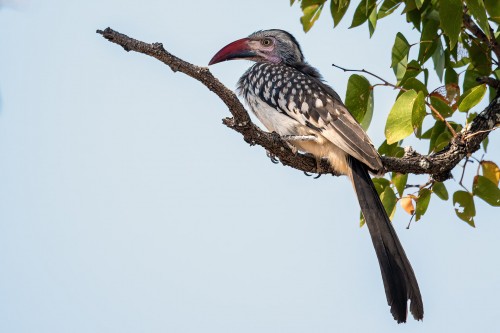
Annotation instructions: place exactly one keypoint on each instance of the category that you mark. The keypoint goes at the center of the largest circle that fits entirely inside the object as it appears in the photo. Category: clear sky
(126, 206)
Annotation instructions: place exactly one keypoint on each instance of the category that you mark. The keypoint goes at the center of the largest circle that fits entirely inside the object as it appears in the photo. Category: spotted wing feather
(312, 103)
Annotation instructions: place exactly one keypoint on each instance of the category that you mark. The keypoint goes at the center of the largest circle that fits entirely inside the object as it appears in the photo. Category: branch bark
(438, 165)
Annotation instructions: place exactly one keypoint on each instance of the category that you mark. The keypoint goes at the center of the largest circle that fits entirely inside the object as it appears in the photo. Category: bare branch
(240, 121)
(437, 165)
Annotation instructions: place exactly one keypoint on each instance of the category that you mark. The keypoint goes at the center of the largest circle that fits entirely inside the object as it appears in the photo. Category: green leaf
(410, 5)
(478, 11)
(400, 69)
(493, 9)
(338, 9)
(466, 209)
(491, 171)
(486, 190)
(450, 76)
(372, 21)
(442, 141)
(470, 79)
(450, 15)
(399, 180)
(414, 17)
(399, 121)
(419, 3)
(412, 70)
(400, 49)
(471, 98)
(440, 190)
(428, 40)
(424, 197)
(480, 58)
(485, 144)
(441, 106)
(427, 134)
(415, 84)
(438, 128)
(389, 201)
(470, 117)
(393, 150)
(492, 93)
(311, 11)
(380, 184)
(359, 99)
(387, 7)
(362, 12)
(418, 114)
(362, 221)
(439, 60)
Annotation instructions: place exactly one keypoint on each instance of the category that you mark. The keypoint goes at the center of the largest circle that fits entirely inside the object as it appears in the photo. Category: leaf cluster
(460, 44)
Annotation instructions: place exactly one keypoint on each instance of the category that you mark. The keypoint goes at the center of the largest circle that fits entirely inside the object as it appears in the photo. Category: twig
(440, 117)
(463, 173)
(429, 182)
(411, 219)
(479, 132)
(387, 83)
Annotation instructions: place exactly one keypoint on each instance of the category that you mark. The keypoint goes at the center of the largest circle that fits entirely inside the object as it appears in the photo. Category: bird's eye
(266, 41)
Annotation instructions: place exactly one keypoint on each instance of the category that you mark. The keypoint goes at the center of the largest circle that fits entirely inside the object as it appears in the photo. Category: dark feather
(399, 279)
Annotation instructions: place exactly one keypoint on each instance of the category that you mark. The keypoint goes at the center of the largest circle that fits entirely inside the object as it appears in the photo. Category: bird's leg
(298, 137)
(289, 137)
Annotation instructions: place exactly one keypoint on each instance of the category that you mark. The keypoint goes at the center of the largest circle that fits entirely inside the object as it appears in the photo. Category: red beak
(236, 50)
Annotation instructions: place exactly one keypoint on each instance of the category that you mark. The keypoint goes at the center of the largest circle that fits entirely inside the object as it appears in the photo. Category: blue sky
(126, 206)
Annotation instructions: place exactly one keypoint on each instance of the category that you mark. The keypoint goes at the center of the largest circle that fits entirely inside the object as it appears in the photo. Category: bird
(290, 97)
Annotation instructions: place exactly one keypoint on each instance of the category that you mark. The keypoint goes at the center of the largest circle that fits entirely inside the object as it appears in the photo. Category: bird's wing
(318, 106)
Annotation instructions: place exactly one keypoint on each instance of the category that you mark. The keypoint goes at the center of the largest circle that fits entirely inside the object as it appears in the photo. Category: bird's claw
(310, 175)
(272, 157)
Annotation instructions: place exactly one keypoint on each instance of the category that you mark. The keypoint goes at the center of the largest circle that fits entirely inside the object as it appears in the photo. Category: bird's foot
(272, 157)
(319, 168)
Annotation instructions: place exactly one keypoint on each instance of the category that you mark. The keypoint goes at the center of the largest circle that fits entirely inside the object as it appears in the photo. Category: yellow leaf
(407, 204)
(491, 171)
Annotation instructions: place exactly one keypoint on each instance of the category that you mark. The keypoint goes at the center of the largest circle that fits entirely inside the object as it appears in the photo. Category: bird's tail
(400, 282)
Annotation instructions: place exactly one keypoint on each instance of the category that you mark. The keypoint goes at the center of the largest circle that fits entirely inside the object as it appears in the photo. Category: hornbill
(289, 97)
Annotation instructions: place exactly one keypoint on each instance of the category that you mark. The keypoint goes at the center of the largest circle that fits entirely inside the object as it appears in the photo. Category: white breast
(276, 121)
(272, 119)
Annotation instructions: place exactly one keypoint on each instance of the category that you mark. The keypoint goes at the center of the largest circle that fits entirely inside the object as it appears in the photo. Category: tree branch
(438, 165)
(478, 33)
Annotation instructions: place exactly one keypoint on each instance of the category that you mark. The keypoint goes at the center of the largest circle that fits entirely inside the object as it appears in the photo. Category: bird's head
(275, 46)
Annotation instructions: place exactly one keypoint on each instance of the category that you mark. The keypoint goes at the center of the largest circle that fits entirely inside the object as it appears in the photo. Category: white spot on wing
(304, 107)
(318, 103)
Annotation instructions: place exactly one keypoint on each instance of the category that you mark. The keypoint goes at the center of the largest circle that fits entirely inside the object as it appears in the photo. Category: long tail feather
(399, 280)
